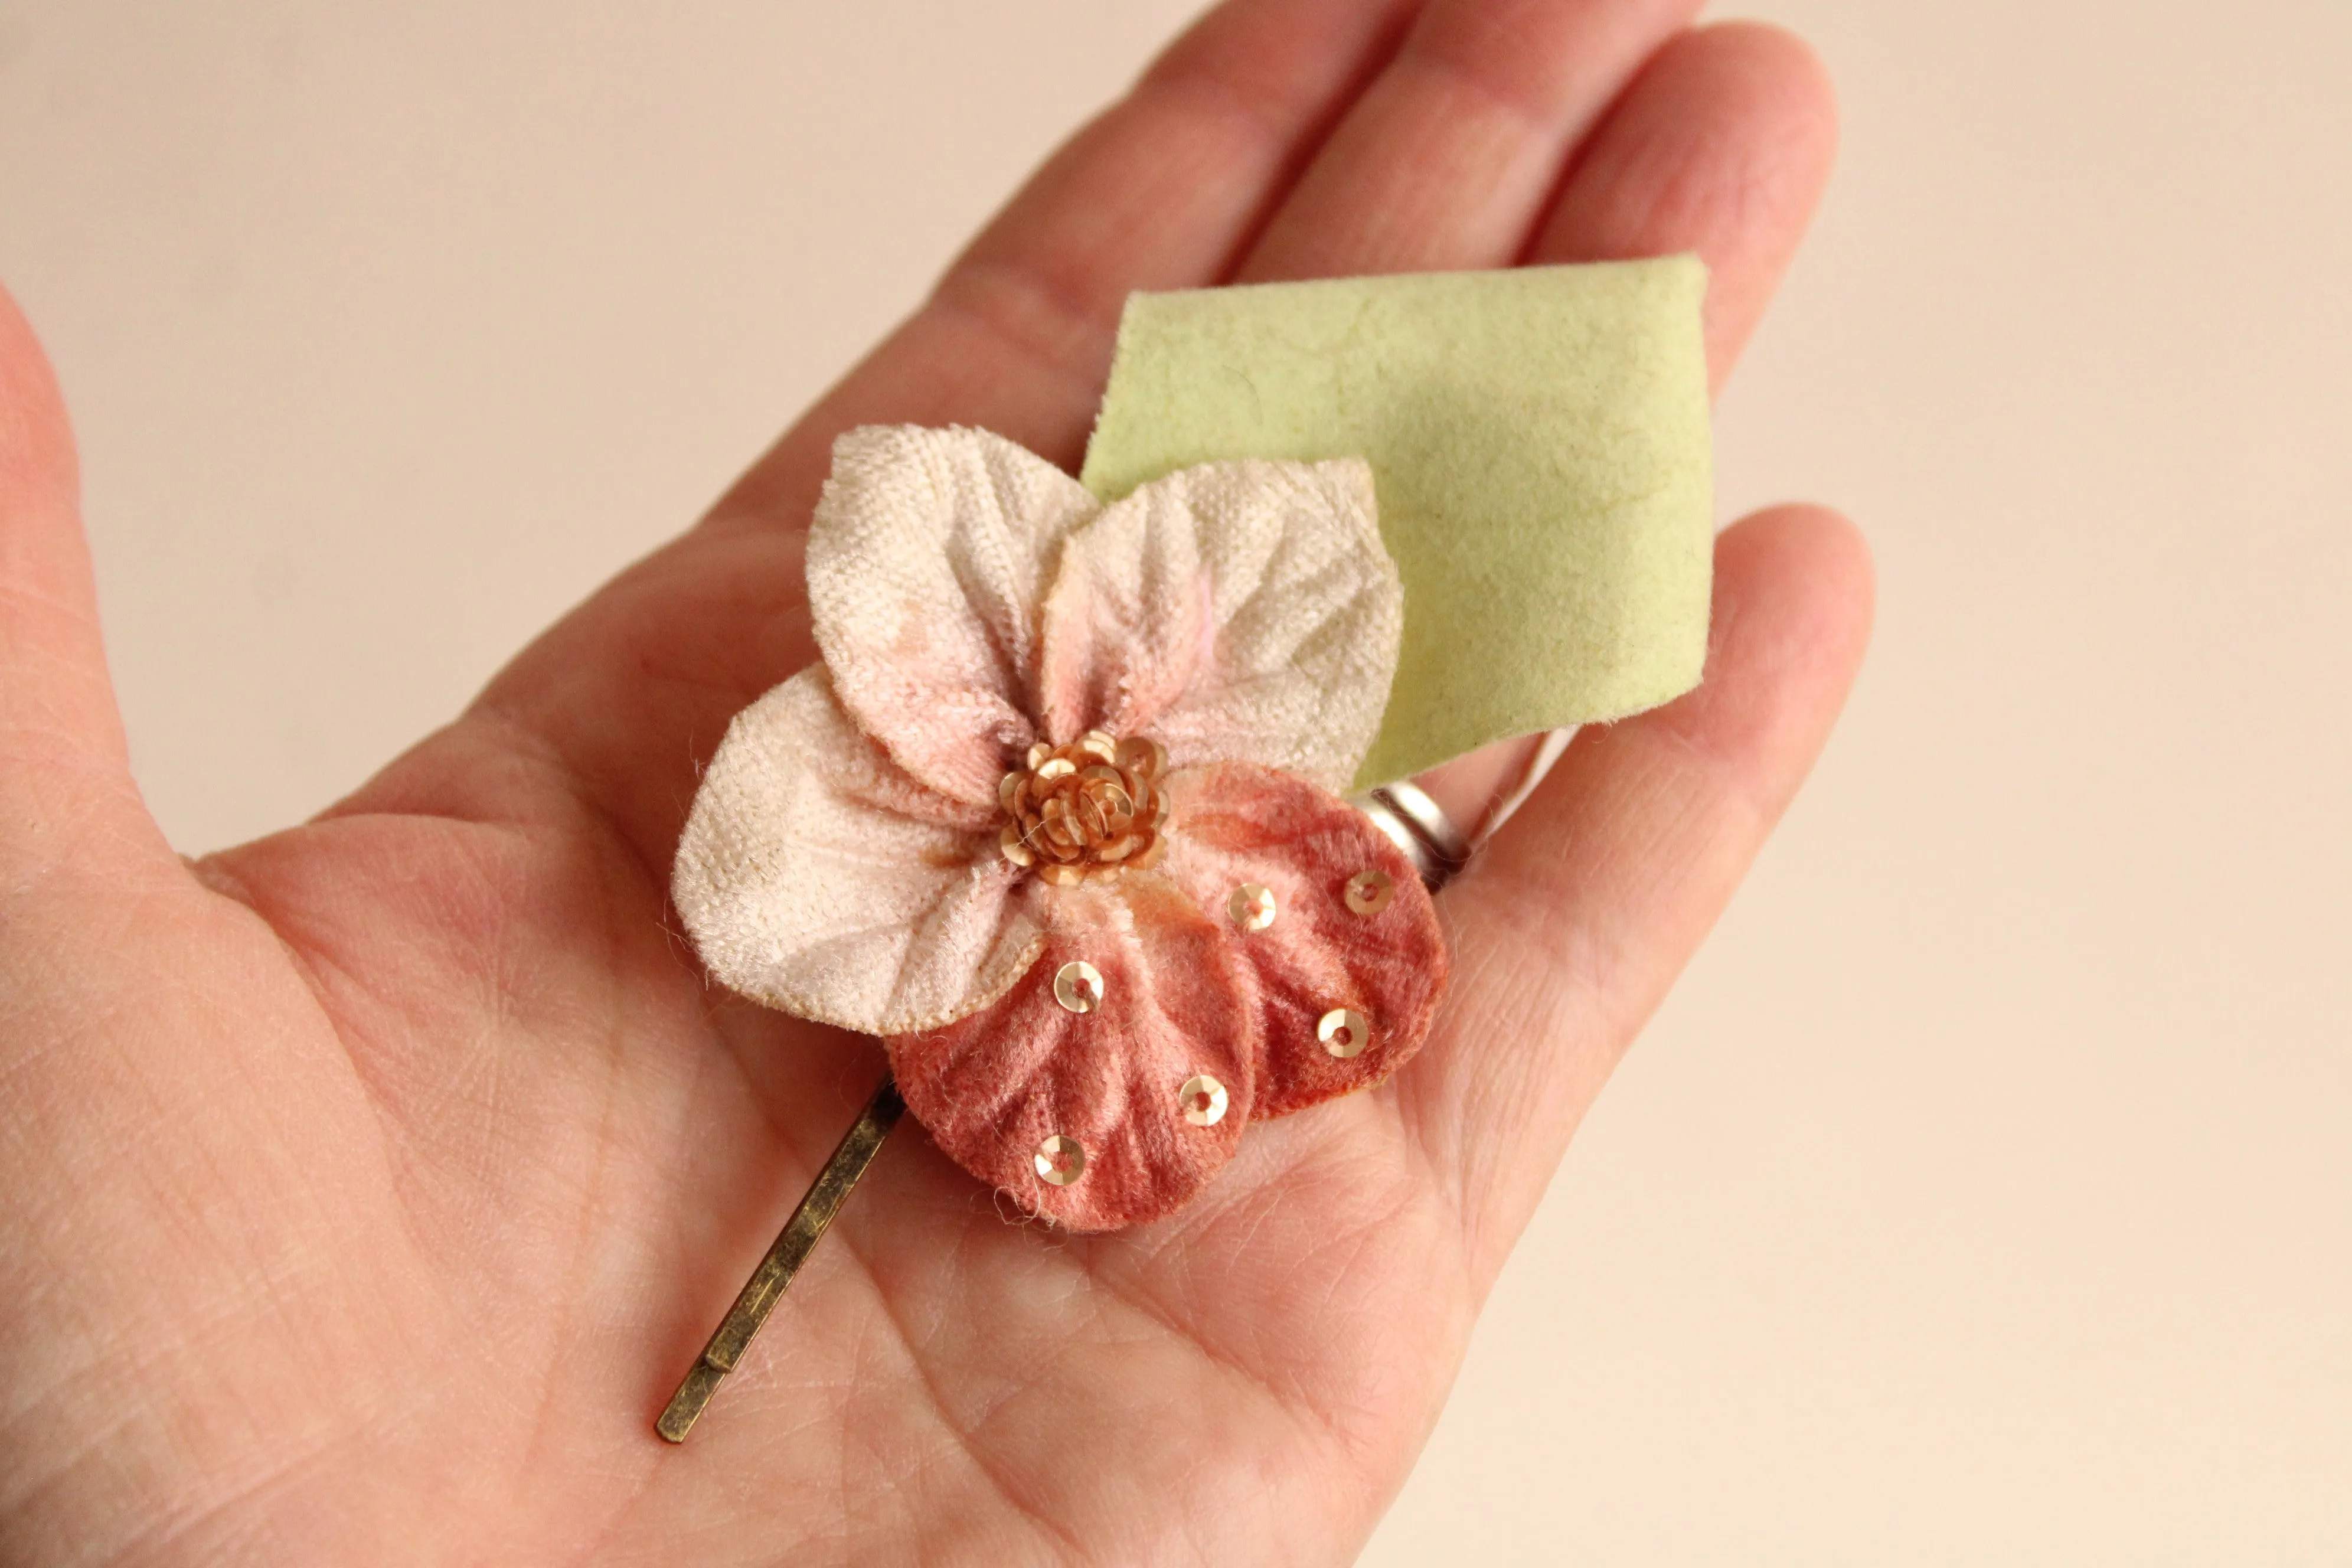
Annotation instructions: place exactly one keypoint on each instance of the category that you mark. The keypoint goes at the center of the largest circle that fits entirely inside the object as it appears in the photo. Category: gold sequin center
(1061, 1159)
(1202, 1100)
(1252, 906)
(1344, 1032)
(1369, 890)
(1078, 986)
(1089, 809)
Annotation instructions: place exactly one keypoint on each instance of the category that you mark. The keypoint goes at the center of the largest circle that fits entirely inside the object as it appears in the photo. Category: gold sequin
(1061, 1159)
(1251, 905)
(1202, 1100)
(1141, 754)
(1078, 986)
(1344, 1032)
(1369, 890)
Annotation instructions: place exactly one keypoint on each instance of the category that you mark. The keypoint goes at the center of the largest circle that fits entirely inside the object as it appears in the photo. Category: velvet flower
(1058, 814)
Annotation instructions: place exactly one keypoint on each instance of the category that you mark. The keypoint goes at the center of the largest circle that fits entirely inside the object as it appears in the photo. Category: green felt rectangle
(1539, 447)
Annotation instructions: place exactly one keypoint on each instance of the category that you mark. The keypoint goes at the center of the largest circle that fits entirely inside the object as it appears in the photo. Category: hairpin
(1063, 815)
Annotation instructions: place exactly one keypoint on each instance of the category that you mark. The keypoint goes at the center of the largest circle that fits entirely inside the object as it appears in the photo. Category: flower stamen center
(1090, 809)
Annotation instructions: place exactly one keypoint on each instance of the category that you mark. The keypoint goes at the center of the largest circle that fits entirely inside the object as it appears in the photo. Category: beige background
(1985, 1193)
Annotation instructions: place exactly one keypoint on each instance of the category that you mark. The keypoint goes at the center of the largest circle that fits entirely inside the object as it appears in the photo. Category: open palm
(370, 1186)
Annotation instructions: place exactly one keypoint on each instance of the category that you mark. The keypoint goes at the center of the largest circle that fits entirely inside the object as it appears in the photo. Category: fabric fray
(845, 858)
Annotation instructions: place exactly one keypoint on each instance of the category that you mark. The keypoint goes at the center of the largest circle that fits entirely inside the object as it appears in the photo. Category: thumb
(65, 777)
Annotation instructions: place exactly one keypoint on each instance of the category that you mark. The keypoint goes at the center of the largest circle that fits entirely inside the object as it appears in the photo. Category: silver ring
(1418, 825)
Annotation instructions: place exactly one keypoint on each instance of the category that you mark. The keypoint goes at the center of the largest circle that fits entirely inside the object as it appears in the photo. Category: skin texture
(369, 1186)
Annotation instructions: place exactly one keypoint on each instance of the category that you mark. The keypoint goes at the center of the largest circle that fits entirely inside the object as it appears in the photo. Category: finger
(1571, 924)
(1447, 159)
(1722, 145)
(1159, 192)
(64, 779)
(631, 692)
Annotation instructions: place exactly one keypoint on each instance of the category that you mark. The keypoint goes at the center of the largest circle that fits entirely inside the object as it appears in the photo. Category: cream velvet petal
(816, 877)
(927, 557)
(1238, 612)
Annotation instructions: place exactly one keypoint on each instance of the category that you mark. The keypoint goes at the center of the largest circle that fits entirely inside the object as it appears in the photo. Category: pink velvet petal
(1177, 1002)
(1242, 611)
(1234, 823)
(927, 560)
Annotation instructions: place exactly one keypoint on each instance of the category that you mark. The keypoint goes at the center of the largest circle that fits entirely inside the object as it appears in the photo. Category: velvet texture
(843, 861)
(820, 877)
(1186, 990)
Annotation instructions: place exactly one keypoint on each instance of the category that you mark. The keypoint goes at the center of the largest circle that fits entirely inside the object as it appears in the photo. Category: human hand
(371, 1185)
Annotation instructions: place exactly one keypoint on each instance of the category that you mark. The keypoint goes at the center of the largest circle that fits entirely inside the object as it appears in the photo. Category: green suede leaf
(1539, 443)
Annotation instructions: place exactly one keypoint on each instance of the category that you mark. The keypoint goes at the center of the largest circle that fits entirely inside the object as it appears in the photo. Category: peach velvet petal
(1242, 611)
(928, 557)
(816, 877)
(1176, 1001)
(1236, 824)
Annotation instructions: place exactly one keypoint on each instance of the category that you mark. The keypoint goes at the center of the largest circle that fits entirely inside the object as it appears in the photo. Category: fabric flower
(1058, 814)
